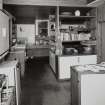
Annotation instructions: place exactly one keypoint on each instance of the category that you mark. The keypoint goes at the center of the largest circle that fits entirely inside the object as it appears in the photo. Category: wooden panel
(103, 41)
(47, 2)
(71, 2)
(75, 85)
(100, 12)
(99, 43)
(31, 2)
(88, 1)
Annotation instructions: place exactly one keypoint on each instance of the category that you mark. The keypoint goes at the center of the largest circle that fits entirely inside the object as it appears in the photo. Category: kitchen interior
(52, 52)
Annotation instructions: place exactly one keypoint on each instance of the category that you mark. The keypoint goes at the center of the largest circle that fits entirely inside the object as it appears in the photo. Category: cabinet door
(92, 89)
(52, 61)
(64, 64)
(87, 59)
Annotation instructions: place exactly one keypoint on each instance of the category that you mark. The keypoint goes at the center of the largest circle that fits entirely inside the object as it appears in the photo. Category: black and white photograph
(52, 52)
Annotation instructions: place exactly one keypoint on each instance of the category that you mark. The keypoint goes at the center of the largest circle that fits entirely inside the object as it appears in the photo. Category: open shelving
(72, 28)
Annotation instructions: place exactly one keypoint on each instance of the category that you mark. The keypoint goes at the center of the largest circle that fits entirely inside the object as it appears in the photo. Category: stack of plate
(66, 13)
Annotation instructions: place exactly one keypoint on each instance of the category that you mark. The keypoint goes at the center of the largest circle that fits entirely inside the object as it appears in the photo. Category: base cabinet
(65, 62)
(20, 56)
(87, 87)
(12, 72)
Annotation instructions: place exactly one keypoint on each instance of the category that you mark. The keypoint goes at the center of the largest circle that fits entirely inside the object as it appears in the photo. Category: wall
(47, 2)
(101, 32)
(26, 31)
(0, 4)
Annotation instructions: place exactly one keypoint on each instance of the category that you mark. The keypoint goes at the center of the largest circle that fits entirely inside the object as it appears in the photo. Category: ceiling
(29, 11)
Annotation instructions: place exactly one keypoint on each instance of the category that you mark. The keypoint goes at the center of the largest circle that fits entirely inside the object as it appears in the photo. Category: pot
(87, 50)
(70, 51)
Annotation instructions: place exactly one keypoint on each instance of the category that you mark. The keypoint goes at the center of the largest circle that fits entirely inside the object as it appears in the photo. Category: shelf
(73, 41)
(67, 16)
(43, 28)
(40, 38)
(53, 40)
(74, 19)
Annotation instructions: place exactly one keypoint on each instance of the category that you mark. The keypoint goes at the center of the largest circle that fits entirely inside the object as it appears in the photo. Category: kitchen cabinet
(11, 70)
(87, 85)
(19, 54)
(65, 62)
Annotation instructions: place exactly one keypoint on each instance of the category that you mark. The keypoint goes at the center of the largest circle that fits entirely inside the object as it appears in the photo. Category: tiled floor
(40, 87)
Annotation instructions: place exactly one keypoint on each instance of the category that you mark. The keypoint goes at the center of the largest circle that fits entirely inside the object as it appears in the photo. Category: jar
(77, 13)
